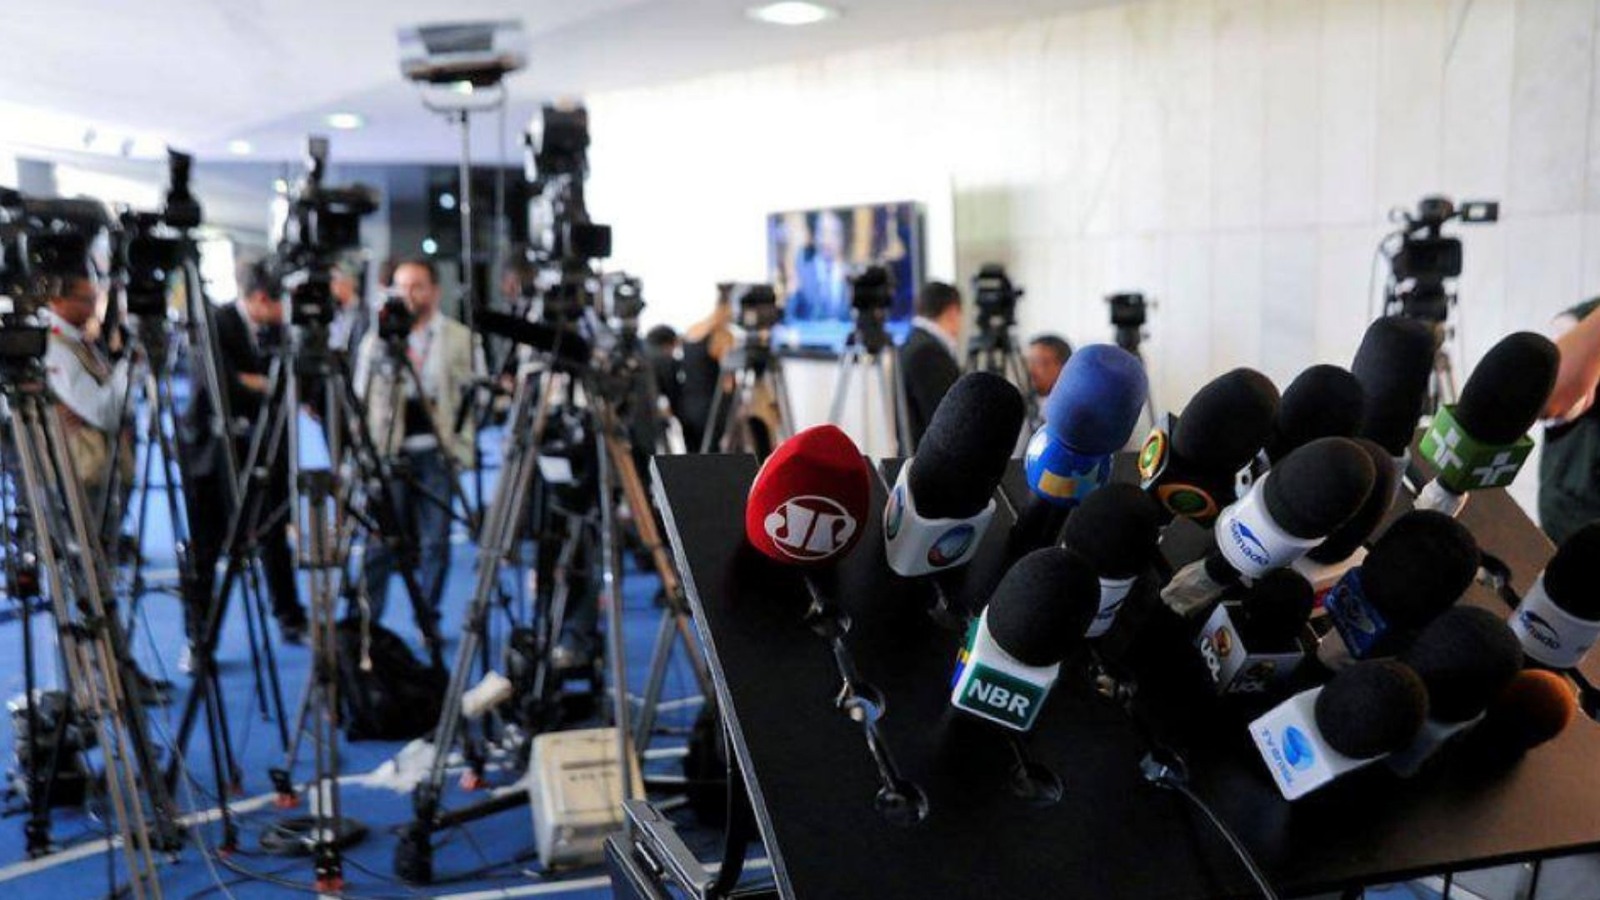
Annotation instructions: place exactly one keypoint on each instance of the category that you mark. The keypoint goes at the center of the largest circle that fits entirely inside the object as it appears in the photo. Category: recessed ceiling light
(430, 246)
(792, 12)
(240, 147)
(345, 121)
(462, 87)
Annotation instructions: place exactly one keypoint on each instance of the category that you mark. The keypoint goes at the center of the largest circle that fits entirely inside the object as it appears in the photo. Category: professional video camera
(565, 241)
(322, 222)
(395, 319)
(1129, 313)
(996, 298)
(871, 297)
(40, 240)
(149, 246)
(757, 308)
(1422, 259)
(621, 302)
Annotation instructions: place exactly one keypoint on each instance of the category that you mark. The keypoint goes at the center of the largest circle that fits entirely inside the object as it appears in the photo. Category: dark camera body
(995, 296)
(395, 319)
(1128, 310)
(756, 306)
(1426, 258)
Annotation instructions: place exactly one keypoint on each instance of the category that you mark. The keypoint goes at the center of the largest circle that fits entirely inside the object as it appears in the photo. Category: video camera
(565, 241)
(996, 298)
(1425, 259)
(41, 241)
(621, 301)
(757, 308)
(322, 222)
(150, 246)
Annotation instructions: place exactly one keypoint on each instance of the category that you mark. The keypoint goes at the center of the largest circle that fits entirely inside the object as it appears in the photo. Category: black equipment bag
(398, 698)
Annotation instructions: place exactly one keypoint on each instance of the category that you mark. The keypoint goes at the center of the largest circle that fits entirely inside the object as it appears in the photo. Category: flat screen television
(813, 253)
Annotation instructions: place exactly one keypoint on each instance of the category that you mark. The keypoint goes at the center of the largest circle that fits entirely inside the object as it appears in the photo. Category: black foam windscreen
(964, 451)
(1354, 532)
(1534, 708)
(1393, 364)
(1043, 605)
(1322, 401)
(1227, 422)
(1276, 610)
(1465, 657)
(1507, 390)
(1318, 487)
(1571, 577)
(1419, 568)
(1116, 528)
(1372, 708)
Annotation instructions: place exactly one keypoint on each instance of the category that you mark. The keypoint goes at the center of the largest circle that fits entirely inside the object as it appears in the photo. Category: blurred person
(662, 350)
(705, 343)
(1569, 464)
(1046, 354)
(90, 392)
(441, 351)
(351, 318)
(930, 357)
(249, 332)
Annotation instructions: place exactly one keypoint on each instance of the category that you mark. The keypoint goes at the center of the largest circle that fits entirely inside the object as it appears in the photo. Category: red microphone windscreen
(809, 501)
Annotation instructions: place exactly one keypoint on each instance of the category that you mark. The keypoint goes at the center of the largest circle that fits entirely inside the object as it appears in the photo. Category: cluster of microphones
(1330, 602)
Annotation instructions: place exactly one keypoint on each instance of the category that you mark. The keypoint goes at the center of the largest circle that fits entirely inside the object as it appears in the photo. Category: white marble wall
(1235, 158)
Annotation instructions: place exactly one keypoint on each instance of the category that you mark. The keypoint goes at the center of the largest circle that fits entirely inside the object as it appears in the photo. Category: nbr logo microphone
(999, 697)
(810, 527)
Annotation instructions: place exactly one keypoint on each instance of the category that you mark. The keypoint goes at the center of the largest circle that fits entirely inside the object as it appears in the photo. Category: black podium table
(1112, 834)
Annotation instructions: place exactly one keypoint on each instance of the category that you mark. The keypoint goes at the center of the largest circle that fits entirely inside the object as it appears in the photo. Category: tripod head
(1128, 317)
(871, 296)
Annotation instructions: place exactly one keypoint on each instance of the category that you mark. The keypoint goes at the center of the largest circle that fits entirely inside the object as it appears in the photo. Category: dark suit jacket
(928, 370)
(236, 355)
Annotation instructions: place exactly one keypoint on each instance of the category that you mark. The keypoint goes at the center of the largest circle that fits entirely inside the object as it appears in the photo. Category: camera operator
(930, 360)
(90, 390)
(441, 351)
(350, 320)
(1047, 353)
(248, 332)
(704, 344)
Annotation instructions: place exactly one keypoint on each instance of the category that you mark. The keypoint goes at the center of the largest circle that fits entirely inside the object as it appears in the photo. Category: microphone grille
(1570, 578)
(1227, 421)
(1372, 708)
(1043, 605)
(1322, 401)
(808, 503)
(1318, 487)
(1419, 567)
(1465, 657)
(1393, 364)
(1507, 390)
(1533, 709)
(1116, 528)
(1353, 533)
(963, 454)
(1097, 399)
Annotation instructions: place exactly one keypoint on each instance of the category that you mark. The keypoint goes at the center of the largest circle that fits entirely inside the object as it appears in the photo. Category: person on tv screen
(823, 292)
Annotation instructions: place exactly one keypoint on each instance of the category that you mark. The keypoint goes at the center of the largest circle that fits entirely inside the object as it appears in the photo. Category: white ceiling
(200, 73)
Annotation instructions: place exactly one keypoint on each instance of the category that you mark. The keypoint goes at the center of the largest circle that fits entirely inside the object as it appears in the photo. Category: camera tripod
(994, 350)
(93, 647)
(1129, 339)
(755, 416)
(533, 406)
(868, 350)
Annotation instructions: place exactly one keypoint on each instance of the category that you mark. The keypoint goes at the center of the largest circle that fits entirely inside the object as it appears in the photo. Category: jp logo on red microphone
(810, 527)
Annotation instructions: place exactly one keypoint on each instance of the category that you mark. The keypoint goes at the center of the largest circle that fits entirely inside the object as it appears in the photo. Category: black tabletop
(813, 780)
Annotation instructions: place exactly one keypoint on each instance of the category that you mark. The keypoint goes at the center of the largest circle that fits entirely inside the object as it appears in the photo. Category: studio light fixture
(240, 147)
(792, 12)
(345, 121)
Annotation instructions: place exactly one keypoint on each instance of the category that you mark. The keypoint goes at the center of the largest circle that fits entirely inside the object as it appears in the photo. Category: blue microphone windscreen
(1097, 400)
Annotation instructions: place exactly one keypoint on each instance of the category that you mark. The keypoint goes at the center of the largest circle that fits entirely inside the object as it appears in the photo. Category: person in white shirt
(419, 429)
(91, 391)
(930, 357)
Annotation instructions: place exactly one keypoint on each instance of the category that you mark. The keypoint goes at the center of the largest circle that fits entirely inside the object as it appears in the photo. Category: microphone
(1253, 645)
(809, 499)
(1116, 529)
(1288, 511)
(943, 500)
(1364, 713)
(1558, 621)
(1326, 562)
(1394, 365)
(1482, 441)
(1013, 653)
(1191, 465)
(1532, 710)
(1323, 401)
(1417, 570)
(1465, 658)
(1089, 415)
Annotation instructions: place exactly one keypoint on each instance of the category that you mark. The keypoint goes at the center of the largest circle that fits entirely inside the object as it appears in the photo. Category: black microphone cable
(1164, 768)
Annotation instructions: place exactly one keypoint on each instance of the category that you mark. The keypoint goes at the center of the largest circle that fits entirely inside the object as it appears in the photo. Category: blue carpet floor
(486, 859)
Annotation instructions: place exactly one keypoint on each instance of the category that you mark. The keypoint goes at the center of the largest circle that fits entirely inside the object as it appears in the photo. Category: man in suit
(248, 332)
(1046, 354)
(930, 357)
(418, 429)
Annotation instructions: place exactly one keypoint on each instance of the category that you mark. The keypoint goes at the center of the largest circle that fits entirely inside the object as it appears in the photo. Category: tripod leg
(611, 591)
(841, 384)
